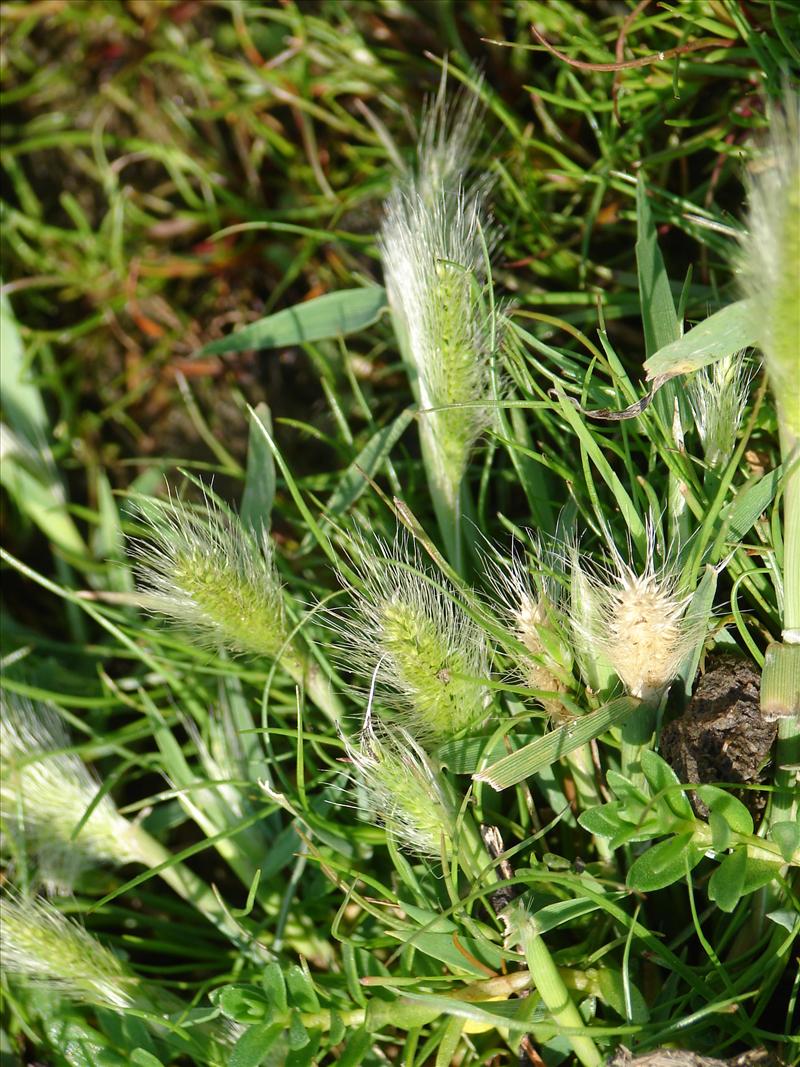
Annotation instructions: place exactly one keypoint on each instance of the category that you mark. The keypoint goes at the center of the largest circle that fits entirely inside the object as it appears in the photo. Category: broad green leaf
(357, 1047)
(722, 334)
(603, 820)
(274, 986)
(624, 790)
(298, 1035)
(307, 1056)
(663, 780)
(728, 807)
(741, 514)
(259, 482)
(665, 863)
(786, 836)
(563, 911)
(301, 990)
(464, 755)
(659, 319)
(254, 1044)
(449, 949)
(451, 1036)
(727, 882)
(720, 832)
(140, 1057)
(332, 315)
(520, 765)
(244, 1004)
(759, 873)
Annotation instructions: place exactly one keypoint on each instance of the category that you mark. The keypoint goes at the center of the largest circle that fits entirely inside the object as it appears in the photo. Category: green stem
(637, 732)
(581, 765)
(555, 995)
(312, 679)
(786, 798)
(790, 450)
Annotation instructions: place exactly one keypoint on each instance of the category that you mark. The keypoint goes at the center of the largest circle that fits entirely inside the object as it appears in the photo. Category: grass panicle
(46, 791)
(201, 568)
(718, 396)
(401, 790)
(428, 660)
(41, 945)
(434, 242)
(529, 609)
(637, 623)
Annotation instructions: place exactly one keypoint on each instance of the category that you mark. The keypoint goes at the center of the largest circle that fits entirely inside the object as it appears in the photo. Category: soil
(722, 737)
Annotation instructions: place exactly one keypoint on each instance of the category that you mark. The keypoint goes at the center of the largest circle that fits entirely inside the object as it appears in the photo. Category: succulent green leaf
(721, 803)
(665, 863)
(662, 779)
(726, 884)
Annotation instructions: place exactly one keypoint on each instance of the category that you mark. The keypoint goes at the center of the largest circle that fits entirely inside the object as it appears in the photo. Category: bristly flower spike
(45, 793)
(718, 396)
(204, 570)
(42, 946)
(434, 244)
(638, 622)
(401, 791)
(532, 614)
(433, 659)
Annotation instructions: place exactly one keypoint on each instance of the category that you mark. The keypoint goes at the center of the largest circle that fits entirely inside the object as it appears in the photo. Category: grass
(174, 172)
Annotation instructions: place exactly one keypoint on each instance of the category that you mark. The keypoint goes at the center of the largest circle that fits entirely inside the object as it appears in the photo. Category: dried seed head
(528, 607)
(718, 395)
(636, 623)
(432, 659)
(46, 792)
(43, 946)
(401, 791)
(204, 570)
(771, 255)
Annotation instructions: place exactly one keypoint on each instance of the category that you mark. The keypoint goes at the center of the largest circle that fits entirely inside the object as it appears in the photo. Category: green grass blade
(560, 742)
(721, 334)
(328, 316)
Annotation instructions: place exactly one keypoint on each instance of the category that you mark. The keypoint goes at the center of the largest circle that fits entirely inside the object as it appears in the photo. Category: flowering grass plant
(353, 727)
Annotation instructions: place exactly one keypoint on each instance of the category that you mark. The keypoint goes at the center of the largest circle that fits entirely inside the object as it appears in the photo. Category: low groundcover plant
(365, 766)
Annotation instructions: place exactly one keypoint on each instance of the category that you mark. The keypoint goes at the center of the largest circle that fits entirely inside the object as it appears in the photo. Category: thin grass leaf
(560, 742)
(329, 316)
(724, 333)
